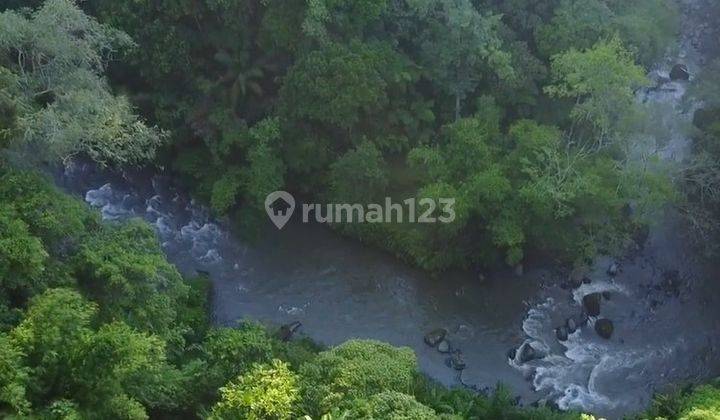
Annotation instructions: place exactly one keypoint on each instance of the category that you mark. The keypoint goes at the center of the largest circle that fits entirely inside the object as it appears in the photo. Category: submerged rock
(444, 347)
(511, 353)
(571, 325)
(458, 361)
(529, 353)
(561, 333)
(680, 72)
(604, 328)
(575, 279)
(613, 269)
(434, 337)
(591, 303)
(286, 332)
(576, 322)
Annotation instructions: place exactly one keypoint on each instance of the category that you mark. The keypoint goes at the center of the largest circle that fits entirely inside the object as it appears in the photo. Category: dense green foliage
(355, 101)
(699, 403)
(518, 109)
(51, 75)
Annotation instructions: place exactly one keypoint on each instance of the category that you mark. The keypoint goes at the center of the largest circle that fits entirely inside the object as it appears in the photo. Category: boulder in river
(613, 269)
(561, 333)
(286, 331)
(444, 347)
(575, 322)
(458, 361)
(591, 303)
(604, 328)
(529, 353)
(434, 337)
(576, 277)
(571, 325)
(680, 72)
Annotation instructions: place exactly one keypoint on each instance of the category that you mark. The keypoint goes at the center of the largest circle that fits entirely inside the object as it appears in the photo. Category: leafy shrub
(266, 392)
(356, 369)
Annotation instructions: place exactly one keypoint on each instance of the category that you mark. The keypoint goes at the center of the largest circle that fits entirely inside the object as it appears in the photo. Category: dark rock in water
(528, 353)
(613, 270)
(575, 322)
(574, 283)
(553, 405)
(660, 81)
(202, 273)
(586, 280)
(444, 347)
(576, 277)
(679, 72)
(604, 328)
(591, 303)
(606, 295)
(561, 333)
(511, 353)
(458, 361)
(434, 337)
(571, 325)
(287, 331)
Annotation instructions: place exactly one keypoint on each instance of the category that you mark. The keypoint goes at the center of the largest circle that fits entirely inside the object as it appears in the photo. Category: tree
(359, 176)
(13, 379)
(266, 392)
(119, 371)
(22, 257)
(355, 369)
(262, 174)
(392, 405)
(49, 338)
(125, 271)
(61, 222)
(604, 99)
(228, 353)
(577, 24)
(336, 85)
(60, 56)
(456, 45)
(329, 20)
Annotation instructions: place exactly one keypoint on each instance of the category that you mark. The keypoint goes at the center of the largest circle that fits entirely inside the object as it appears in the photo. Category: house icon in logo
(280, 206)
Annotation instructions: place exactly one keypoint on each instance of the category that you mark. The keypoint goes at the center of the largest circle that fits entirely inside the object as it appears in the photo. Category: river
(664, 301)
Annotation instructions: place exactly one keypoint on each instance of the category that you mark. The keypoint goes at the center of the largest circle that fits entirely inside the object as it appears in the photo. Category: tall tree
(602, 81)
(456, 44)
(58, 56)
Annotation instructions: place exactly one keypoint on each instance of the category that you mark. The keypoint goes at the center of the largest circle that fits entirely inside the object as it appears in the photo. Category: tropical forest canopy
(523, 110)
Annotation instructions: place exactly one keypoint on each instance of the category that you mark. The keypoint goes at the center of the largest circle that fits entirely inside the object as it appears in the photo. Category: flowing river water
(664, 302)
